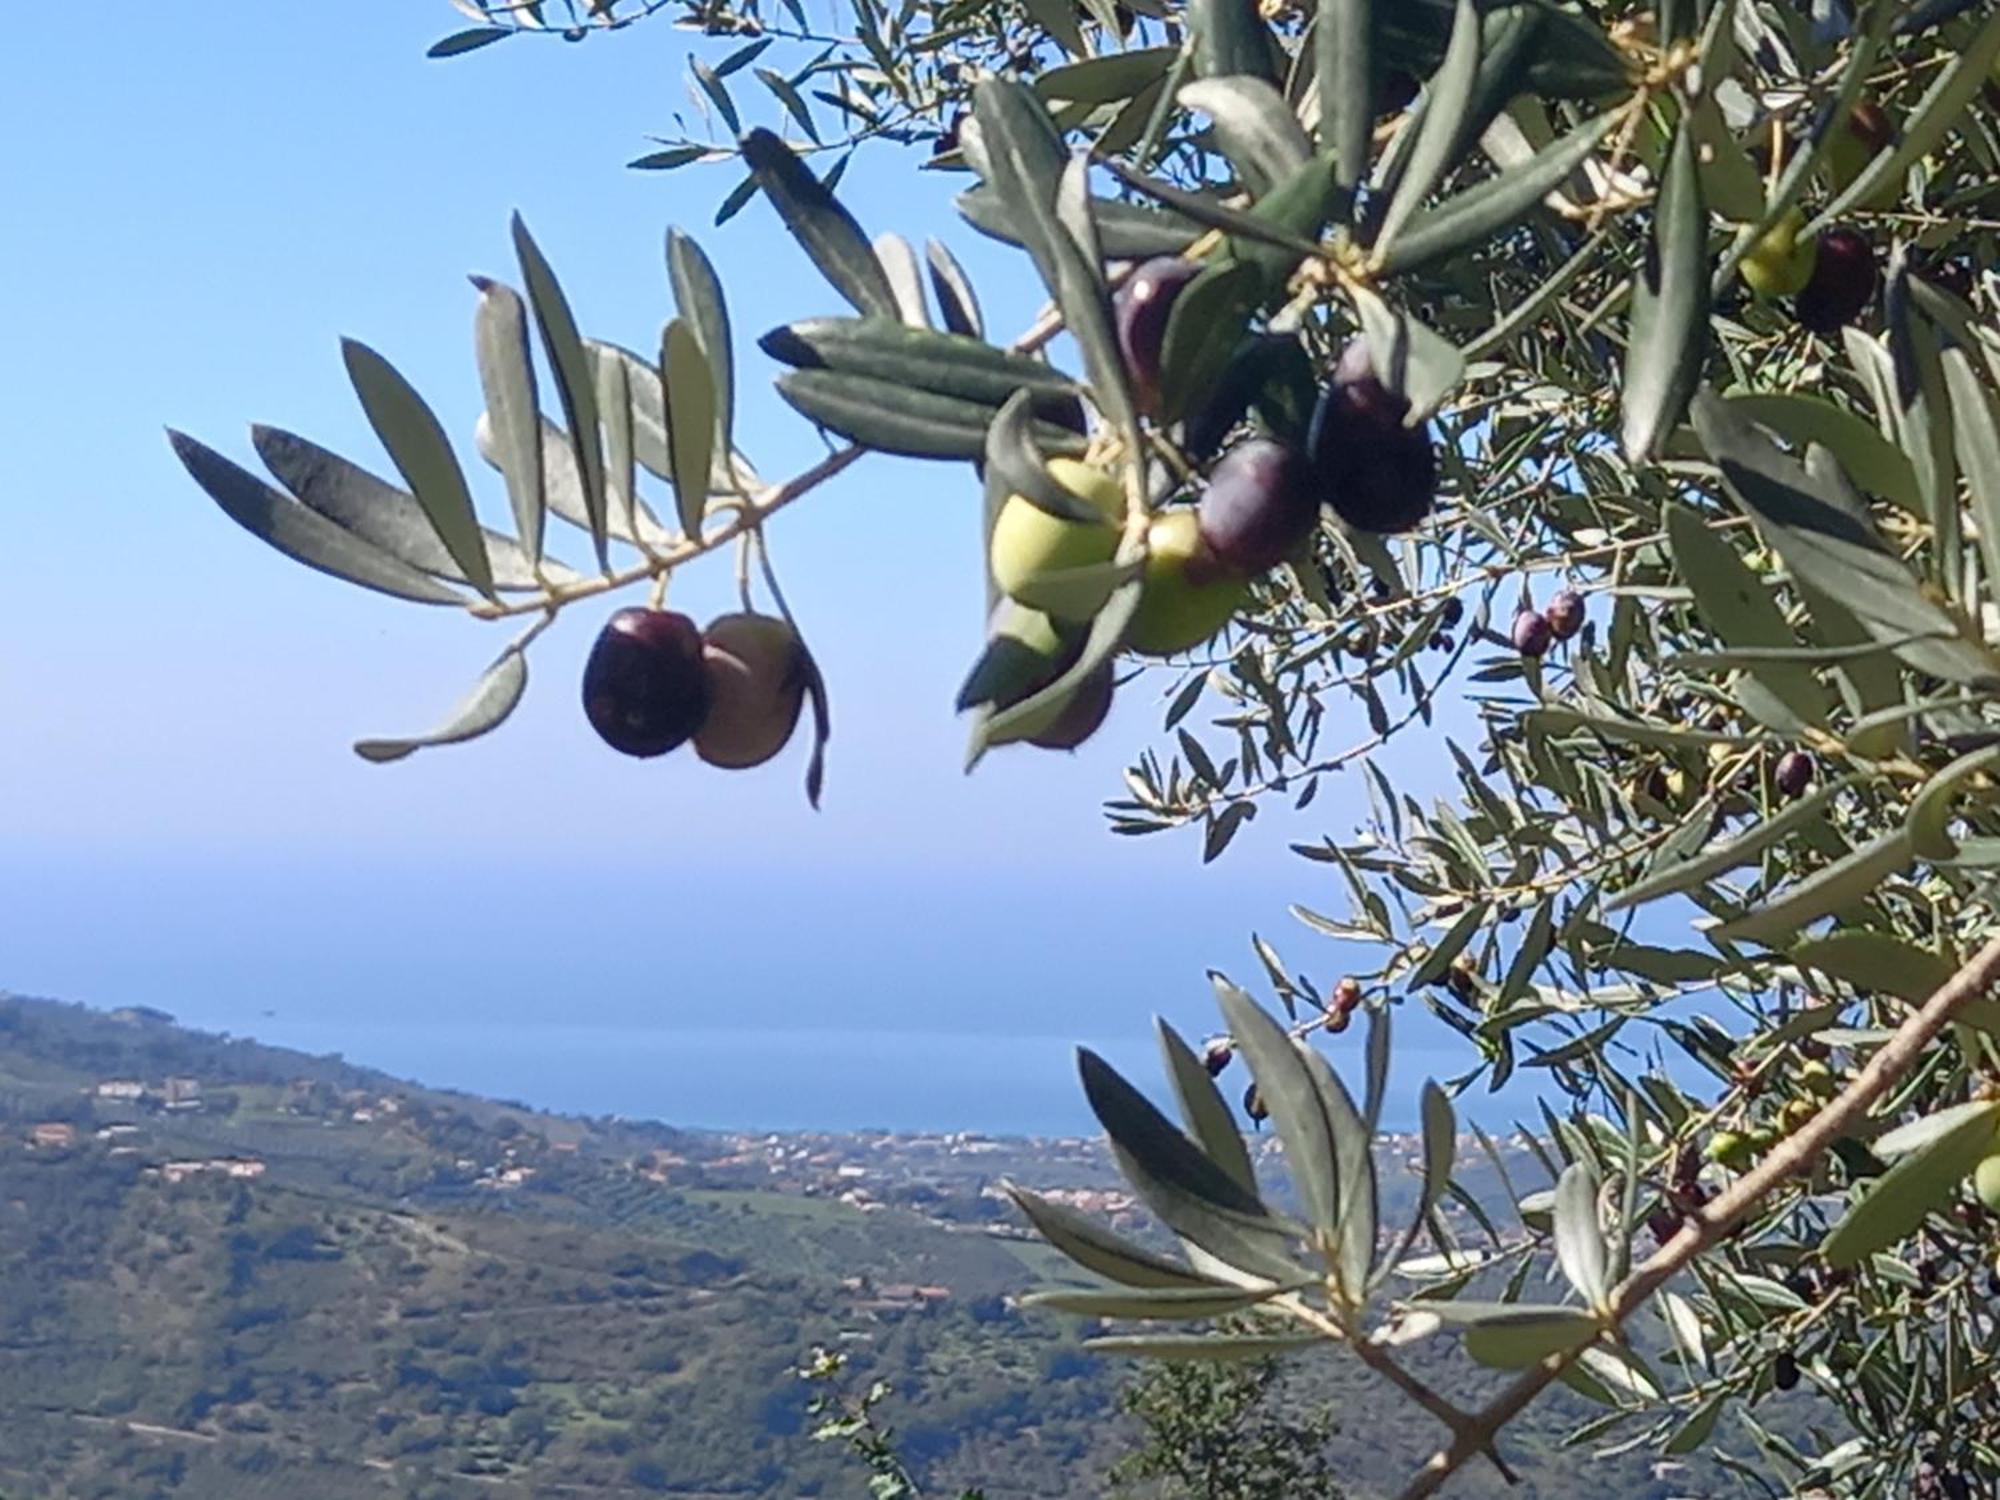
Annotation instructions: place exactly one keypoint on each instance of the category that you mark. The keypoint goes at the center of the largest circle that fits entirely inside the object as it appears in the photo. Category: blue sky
(212, 197)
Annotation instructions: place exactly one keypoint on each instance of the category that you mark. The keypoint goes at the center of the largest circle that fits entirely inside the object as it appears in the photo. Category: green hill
(288, 1276)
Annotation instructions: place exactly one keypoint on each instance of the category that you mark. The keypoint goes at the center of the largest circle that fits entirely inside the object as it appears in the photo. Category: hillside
(237, 1271)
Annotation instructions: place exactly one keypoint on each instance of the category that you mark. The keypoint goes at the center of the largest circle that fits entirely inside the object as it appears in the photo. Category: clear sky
(200, 201)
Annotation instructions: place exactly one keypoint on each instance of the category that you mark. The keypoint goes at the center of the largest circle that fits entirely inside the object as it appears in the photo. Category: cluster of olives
(654, 681)
(1535, 630)
(1739, 1149)
(1831, 277)
(1259, 506)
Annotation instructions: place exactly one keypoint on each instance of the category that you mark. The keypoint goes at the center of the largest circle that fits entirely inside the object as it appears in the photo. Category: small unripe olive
(645, 691)
(756, 671)
(1781, 263)
(1986, 1181)
(1186, 596)
(1731, 1148)
(1028, 541)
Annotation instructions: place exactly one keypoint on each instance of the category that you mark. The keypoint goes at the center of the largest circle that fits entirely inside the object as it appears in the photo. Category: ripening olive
(1187, 596)
(1532, 633)
(757, 670)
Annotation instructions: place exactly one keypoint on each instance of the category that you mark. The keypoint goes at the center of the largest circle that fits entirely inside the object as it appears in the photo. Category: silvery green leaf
(507, 377)
(485, 708)
(302, 533)
(690, 414)
(1580, 1247)
(1254, 126)
(1097, 1249)
(1298, 1111)
(1207, 1114)
(824, 229)
(385, 516)
(1669, 329)
(1439, 124)
(698, 296)
(576, 389)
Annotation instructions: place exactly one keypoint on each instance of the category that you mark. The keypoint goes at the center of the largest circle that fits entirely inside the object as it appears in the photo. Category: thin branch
(1701, 1230)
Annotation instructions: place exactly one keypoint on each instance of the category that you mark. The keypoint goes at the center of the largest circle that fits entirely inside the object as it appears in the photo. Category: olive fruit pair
(1832, 278)
(654, 681)
(1535, 630)
(1187, 593)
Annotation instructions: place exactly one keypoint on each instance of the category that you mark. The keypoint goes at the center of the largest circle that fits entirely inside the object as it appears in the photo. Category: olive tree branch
(1702, 1229)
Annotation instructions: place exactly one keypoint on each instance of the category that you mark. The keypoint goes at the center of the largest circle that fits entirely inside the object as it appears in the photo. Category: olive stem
(1703, 1228)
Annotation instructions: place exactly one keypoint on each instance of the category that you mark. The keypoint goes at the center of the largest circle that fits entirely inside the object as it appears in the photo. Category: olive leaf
(576, 390)
(1669, 330)
(1343, 54)
(945, 364)
(957, 301)
(1818, 527)
(1191, 1194)
(892, 418)
(1127, 231)
(690, 420)
(301, 533)
(507, 378)
(386, 516)
(1298, 1111)
(1098, 1249)
(485, 708)
(1165, 1303)
(1254, 126)
(825, 230)
(1204, 1109)
(1479, 212)
(1231, 37)
(1438, 124)
(1924, 1179)
(698, 295)
(415, 438)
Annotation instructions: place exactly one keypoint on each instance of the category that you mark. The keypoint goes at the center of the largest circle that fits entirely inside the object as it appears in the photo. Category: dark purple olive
(1216, 1055)
(1532, 633)
(1259, 505)
(1843, 282)
(1144, 304)
(1785, 1371)
(1565, 614)
(1081, 716)
(1377, 474)
(1793, 774)
(645, 691)
(1253, 1105)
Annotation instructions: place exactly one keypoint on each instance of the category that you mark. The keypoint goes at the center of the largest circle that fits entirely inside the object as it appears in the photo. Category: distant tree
(1213, 1432)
